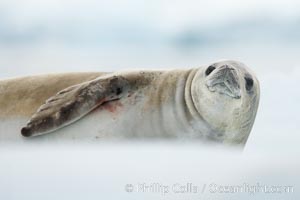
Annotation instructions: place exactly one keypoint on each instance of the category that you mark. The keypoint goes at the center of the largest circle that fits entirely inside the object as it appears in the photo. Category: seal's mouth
(223, 80)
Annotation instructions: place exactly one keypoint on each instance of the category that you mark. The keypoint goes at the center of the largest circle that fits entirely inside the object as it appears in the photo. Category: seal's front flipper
(72, 103)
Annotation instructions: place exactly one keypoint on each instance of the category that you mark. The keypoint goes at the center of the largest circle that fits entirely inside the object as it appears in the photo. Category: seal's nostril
(209, 70)
(26, 132)
(226, 67)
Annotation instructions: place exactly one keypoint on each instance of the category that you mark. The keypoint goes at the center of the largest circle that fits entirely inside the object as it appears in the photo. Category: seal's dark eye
(209, 70)
(249, 83)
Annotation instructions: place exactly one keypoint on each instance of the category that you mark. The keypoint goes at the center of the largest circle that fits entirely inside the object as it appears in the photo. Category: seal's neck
(192, 111)
(196, 120)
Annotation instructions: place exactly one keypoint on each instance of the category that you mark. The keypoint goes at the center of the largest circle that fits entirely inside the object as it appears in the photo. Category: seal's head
(226, 95)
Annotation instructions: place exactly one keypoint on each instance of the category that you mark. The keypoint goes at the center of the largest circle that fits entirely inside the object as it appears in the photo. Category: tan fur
(22, 96)
(166, 103)
(165, 87)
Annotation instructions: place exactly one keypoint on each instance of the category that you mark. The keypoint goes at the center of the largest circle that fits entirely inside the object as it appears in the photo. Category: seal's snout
(26, 132)
(224, 80)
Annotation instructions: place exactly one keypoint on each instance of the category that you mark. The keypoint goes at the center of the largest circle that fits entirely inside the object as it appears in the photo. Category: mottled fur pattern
(217, 102)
